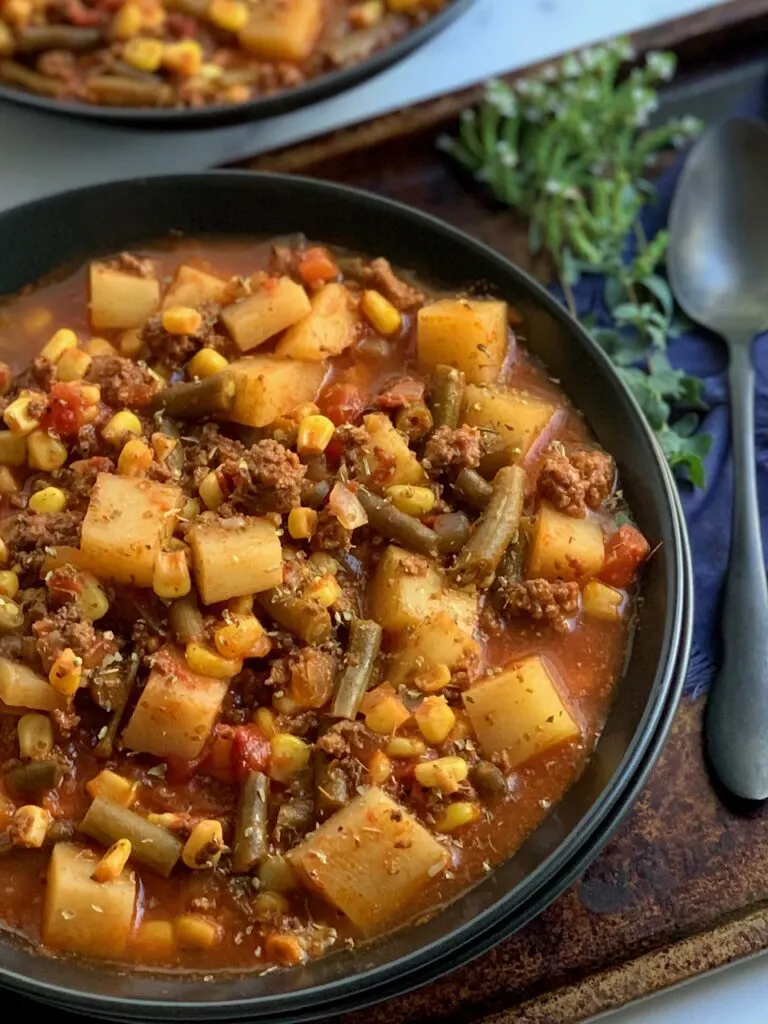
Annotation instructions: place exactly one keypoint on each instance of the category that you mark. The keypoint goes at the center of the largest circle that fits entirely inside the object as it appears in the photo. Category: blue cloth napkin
(707, 511)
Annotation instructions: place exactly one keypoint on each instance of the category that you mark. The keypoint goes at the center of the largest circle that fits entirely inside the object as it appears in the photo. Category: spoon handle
(737, 714)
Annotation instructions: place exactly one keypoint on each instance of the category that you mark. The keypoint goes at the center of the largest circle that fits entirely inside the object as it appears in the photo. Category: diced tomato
(316, 266)
(342, 403)
(250, 751)
(66, 411)
(625, 551)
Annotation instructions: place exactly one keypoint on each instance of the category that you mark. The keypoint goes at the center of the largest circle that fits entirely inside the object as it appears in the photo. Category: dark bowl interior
(283, 102)
(38, 237)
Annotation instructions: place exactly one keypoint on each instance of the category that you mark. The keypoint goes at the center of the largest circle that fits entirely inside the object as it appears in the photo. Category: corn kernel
(444, 773)
(314, 435)
(7, 42)
(210, 72)
(35, 734)
(122, 423)
(48, 501)
(144, 55)
(190, 510)
(379, 767)
(302, 411)
(387, 716)
(266, 720)
(44, 451)
(240, 605)
(66, 672)
(600, 601)
(239, 92)
(18, 417)
(181, 319)
(366, 14)
(381, 313)
(131, 342)
(36, 320)
(325, 590)
(127, 22)
(112, 863)
(11, 615)
(9, 583)
(152, 14)
(405, 747)
(30, 826)
(206, 363)
(60, 342)
(211, 491)
(435, 719)
(112, 787)
(193, 931)
(18, 12)
(135, 458)
(288, 756)
(432, 679)
(413, 501)
(89, 395)
(92, 602)
(73, 365)
(208, 663)
(277, 875)
(168, 819)
(4, 556)
(268, 906)
(302, 523)
(170, 576)
(323, 563)
(155, 938)
(458, 815)
(230, 15)
(99, 347)
(204, 846)
(13, 449)
(242, 637)
(284, 949)
(184, 58)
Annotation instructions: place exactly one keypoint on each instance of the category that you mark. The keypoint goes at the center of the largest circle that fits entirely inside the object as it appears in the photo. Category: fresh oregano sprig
(570, 148)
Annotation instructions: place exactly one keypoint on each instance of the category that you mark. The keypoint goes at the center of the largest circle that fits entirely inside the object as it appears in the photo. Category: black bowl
(283, 102)
(40, 236)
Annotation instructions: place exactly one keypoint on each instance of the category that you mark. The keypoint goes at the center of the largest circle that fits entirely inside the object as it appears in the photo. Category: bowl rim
(324, 86)
(596, 826)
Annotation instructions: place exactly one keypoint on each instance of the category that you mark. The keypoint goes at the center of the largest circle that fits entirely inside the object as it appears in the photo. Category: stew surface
(191, 53)
(314, 591)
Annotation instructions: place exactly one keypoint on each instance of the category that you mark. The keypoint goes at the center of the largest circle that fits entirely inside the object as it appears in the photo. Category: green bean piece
(36, 38)
(362, 651)
(125, 70)
(296, 815)
(151, 844)
(16, 74)
(472, 489)
(197, 397)
(390, 522)
(497, 527)
(453, 530)
(106, 744)
(307, 619)
(116, 91)
(512, 565)
(186, 619)
(317, 467)
(33, 780)
(251, 842)
(332, 787)
(314, 492)
(447, 396)
(415, 421)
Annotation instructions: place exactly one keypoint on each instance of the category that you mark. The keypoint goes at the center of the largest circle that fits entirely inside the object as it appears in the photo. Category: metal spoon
(718, 269)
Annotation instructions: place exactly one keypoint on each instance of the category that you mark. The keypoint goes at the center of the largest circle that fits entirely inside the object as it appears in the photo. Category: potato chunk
(518, 417)
(563, 548)
(128, 519)
(406, 589)
(434, 641)
(84, 916)
(327, 330)
(267, 387)
(407, 469)
(192, 287)
(471, 335)
(519, 712)
(176, 711)
(235, 557)
(282, 29)
(278, 303)
(369, 860)
(119, 299)
(20, 687)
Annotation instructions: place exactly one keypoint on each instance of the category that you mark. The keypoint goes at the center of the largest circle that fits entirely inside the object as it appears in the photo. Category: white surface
(40, 154)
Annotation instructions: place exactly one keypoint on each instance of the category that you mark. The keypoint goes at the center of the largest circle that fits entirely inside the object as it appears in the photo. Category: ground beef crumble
(380, 275)
(450, 449)
(174, 350)
(267, 478)
(573, 482)
(123, 382)
(28, 534)
(540, 599)
(330, 535)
